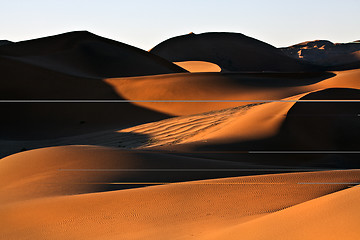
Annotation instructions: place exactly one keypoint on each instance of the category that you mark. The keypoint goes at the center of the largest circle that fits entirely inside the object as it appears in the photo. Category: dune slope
(87, 55)
(225, 87)
(332, 217)
(231, 51)
(199, 66)
(70, 66)
(213, 86)
(68, 170)
(178, 211)
(279, 126)
(261, 122)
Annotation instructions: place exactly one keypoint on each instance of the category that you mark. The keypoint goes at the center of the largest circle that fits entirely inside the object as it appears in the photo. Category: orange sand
(199, 66)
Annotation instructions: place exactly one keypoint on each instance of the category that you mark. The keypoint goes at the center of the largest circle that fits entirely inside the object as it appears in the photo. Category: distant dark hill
(231, 51)
(4, 42)
(333, 56)
(87, 55)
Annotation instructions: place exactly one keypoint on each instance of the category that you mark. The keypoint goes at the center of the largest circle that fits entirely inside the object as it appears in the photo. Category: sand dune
(87, 55)
(293, 126)
(30, 118)
(333, 216)
(201, 86)
(137, 214)
(22, 80)
(184, 129)
(171, 131)
(70, 66)
(209, 86)
(263, 121)
(265, 149)
(36, 121)
(267, 126)
(224, 86)
(199, 66)
(254, 127)
(42, 172)
(231, 51)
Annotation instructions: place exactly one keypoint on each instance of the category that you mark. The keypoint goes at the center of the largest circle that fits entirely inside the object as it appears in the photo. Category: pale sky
(145, 23)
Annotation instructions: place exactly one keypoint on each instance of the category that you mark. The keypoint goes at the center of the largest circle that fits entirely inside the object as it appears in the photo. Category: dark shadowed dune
(4, 42)
(20, 80)
(307, 126)
(34, 121)
(70, 66)
(88, 55)
(324, 126)
(50, 120)
(231, 51)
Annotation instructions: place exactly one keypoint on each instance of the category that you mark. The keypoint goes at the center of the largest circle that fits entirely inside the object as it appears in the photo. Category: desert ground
(205, 136)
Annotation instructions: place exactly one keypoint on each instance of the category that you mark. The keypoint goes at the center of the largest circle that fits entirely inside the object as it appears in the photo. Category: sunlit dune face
(199, 66)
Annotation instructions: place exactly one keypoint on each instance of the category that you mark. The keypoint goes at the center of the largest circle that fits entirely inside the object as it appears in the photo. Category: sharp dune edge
(260, 143)
(199, 66)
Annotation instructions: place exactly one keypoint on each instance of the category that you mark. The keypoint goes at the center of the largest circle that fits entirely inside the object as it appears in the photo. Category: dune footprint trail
(181, 129)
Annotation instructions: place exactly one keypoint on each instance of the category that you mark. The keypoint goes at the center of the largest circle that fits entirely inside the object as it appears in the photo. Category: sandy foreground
(51, 202)
(176, 143)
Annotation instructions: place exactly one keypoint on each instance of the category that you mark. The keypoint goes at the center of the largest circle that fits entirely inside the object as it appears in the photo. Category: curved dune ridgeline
(71, 66)
(87, 55)
(231, 51)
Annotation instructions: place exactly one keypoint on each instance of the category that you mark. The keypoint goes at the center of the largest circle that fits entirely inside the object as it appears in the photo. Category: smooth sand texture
(225, 86)
(199, 66)
(333, 216)
(186, 210)
(265, 149)
(44, 172)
